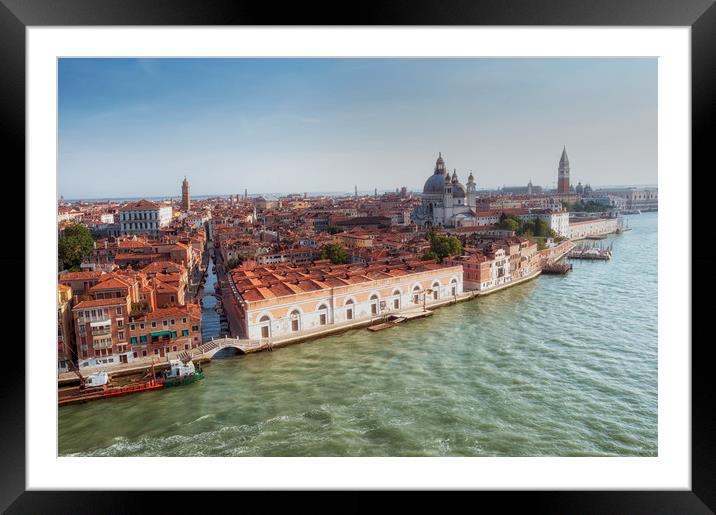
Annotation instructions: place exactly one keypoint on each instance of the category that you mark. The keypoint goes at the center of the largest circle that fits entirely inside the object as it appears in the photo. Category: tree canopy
(73, 246)
(234, 263)
(586, 207)
(443, 246)
(429, 255)
(335, 252)
(536, 227)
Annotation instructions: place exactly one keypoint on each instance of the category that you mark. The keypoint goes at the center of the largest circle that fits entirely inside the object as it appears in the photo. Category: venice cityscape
(317, 281)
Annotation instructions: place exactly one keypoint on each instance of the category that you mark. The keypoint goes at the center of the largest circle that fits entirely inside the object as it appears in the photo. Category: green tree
(527, 228)
(335, 252)
(443, 246)
(541, 228)
(509, 224)
(73, 246)
(332, 229)
(234, 263)
(430, 254)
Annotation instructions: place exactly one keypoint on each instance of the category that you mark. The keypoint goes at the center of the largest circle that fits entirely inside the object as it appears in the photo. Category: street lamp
(427, 292)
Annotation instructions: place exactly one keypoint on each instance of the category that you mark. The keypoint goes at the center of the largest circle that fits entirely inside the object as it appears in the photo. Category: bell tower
(563, 173)
(185, 201)
(471, 191)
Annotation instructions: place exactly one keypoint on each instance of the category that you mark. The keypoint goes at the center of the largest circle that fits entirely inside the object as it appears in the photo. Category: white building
(144, 217)
(593, 227)
(271, 309)
(445, 201)
(557, 220)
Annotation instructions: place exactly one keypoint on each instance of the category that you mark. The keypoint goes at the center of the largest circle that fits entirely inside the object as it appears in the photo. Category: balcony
(97, 320)
(104, 343)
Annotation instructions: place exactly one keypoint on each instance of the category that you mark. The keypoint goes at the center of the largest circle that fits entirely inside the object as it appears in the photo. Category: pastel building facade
(144, 217)
(346, 294)
(594, 227)
(498, 265)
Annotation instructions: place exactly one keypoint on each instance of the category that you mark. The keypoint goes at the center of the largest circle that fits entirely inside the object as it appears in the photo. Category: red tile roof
(266, 282)
(116, 301)
(77, 276)
(140, 204)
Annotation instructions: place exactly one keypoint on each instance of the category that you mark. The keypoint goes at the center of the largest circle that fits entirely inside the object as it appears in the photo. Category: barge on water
(556, 268)
(593, 253)
(99, 385)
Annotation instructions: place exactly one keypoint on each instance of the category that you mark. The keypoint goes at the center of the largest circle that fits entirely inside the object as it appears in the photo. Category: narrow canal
(210, 318)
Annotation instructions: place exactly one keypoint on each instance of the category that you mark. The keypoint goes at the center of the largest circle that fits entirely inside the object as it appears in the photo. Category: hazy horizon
(310, 193)
(136, 127)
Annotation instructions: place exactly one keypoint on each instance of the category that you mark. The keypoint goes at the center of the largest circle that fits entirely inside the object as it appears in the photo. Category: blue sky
(136, 127)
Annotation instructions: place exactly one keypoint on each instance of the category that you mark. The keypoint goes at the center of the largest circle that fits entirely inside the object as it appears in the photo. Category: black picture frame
(700, 15)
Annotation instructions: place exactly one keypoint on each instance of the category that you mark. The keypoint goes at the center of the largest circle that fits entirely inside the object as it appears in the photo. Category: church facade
(445, 201)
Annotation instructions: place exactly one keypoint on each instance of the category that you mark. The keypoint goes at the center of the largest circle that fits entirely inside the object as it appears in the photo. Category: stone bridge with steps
(209, 349)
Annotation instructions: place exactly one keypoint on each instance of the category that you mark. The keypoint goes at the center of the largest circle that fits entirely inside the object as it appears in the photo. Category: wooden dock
(393, 320)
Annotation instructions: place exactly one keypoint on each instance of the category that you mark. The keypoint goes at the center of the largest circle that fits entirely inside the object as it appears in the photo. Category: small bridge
(210, 348)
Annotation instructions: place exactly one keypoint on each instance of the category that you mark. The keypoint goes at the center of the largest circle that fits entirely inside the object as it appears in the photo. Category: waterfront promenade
(207, 350)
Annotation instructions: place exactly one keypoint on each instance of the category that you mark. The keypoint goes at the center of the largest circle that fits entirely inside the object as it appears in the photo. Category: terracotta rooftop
(77, 276)
(265, 282)
(116, 301)
(140, 204)
(111, 283)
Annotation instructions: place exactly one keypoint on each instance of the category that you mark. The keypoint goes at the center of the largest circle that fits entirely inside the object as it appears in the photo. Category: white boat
(96, 379)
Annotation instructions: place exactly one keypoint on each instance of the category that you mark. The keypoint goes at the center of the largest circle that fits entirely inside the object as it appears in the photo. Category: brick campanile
(185, 201)
(563, 173)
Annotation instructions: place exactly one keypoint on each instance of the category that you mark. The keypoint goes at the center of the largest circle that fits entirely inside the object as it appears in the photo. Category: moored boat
(181, 372)
(98, 386)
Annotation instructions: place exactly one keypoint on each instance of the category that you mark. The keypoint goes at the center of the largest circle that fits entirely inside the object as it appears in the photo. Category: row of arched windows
(322, 310)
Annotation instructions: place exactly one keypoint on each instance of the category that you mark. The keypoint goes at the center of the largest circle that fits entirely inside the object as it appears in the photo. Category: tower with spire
(563, 173)
(471, 191)
(185, 201)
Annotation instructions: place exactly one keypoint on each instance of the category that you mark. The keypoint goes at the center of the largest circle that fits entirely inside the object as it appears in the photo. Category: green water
(560, 366)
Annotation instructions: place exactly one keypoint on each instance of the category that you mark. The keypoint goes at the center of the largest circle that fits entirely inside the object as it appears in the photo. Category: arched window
(349, 309)
(436, 290)
(265, 322)
(416, 295)
(374, 304)
(453, 287)
(396, 299)
(295, 317)
(323, 314)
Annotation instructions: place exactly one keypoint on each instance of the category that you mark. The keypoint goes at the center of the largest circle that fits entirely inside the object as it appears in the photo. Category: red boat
(98, 386)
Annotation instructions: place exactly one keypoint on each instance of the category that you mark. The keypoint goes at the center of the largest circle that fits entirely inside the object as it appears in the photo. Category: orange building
(65, 334)
(498, 263)
(102, 332)
(165, 330)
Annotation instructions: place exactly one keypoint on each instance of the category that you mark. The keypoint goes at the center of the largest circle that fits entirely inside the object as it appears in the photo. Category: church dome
(458, 190)
(434, 184)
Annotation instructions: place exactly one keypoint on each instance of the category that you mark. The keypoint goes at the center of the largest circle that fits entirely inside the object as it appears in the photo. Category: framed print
(421, 252)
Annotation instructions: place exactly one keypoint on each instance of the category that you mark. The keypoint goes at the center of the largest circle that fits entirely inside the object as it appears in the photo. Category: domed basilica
(445, 201)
